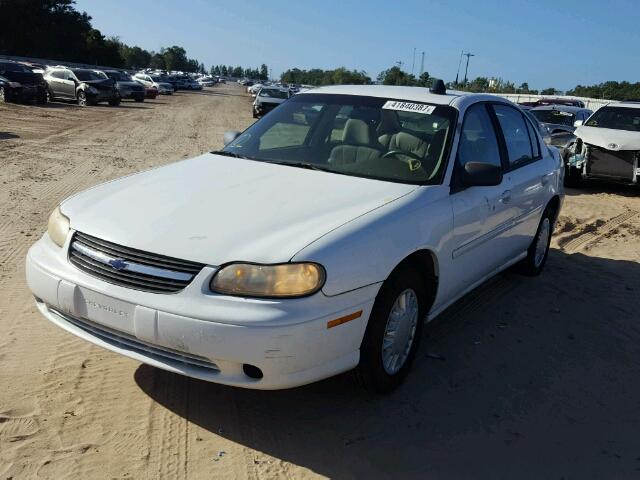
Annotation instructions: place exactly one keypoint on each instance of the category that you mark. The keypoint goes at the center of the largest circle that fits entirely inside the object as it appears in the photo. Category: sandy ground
(523, 378)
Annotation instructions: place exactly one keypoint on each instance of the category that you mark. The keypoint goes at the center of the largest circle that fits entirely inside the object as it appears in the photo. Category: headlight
(283, 280)
(58, 227)
(14, 84)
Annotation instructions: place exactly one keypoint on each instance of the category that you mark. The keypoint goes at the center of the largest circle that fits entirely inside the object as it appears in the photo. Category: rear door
(481, 215)
(69, 84)
(528, 174)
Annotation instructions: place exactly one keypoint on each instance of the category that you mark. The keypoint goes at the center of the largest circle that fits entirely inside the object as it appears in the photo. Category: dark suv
(19, 83)
(126, 86)
(87, 87)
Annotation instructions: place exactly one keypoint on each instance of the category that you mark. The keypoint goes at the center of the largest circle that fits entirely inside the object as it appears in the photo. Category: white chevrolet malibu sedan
(317, 241)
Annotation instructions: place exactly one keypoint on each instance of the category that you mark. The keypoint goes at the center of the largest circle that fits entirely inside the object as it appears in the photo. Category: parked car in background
(569, 102)
(541, 130)
(560, 118)
(127, 87)
(19, 83)
(148, 80)
(191, 84)
(269, 98)
(150, 92)
(280, 289)
(85, 86)
(607, 146)
(207, 81)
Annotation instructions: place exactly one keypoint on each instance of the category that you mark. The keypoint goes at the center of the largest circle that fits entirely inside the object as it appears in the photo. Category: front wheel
(82, 99)
(393, 332)
(538, 251)
(114, 102)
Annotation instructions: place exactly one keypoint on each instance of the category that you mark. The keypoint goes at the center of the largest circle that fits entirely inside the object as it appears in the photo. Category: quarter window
(516, 135)
(478, 141)
(535, 146)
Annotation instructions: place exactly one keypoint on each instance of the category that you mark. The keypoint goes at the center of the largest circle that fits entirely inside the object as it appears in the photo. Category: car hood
(270, 100)
(127, 84)
(215, 209)
(607, 137)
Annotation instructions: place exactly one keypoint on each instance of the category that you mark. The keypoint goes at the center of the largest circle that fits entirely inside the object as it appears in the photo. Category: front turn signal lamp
(58, 227)
(285, 280)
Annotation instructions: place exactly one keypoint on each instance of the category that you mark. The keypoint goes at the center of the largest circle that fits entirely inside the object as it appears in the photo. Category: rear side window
(478, 142)
(516, 135)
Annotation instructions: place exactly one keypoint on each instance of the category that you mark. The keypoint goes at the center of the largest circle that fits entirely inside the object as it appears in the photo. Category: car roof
(625, 104)
(418, 94)
(560, 108)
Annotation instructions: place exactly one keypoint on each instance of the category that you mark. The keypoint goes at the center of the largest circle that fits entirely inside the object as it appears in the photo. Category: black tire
(82, 99)
(371, 369)
(4, 97)
(114, 102)
(572, 177)
(43, 99)
(532, 265)
(255, 115)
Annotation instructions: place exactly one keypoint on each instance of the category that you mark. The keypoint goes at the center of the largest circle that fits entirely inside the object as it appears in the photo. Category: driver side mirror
(481, 174)
(578, 123)
(229, 137)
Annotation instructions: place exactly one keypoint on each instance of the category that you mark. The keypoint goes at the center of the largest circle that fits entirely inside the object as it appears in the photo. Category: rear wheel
(393, 332)
(538, 251)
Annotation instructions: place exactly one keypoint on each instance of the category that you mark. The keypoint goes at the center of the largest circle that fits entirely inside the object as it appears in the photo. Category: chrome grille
(128, 342)
(129, 267)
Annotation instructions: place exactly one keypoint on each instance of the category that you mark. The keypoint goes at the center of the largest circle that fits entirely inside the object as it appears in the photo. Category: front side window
(617, 118)
(516, 135)
(478, 142)
(353, 135)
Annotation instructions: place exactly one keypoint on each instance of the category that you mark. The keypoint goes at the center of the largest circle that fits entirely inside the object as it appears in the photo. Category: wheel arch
(426, 263)
(554, 204)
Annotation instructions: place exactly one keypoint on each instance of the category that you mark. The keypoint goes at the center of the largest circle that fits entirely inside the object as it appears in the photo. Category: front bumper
(132, 94)
(264, 108)
(102, 95)
(201, 334)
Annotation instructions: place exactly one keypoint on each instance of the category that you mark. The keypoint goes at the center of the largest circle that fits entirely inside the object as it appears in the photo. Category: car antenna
(438, 87)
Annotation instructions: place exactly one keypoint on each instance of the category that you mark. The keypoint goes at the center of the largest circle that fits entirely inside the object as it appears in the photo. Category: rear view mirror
(481, 174)
(578, 123)
(229, 137)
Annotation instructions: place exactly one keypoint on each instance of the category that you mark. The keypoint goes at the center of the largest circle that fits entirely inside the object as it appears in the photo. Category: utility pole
(459, 64)
(413, 64)
(468, 55)
(422, 65)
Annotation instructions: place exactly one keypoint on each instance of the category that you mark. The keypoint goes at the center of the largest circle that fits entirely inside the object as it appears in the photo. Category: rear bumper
(289, 341)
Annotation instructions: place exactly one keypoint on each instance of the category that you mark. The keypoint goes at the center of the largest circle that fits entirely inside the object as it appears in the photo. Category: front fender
(366, 250)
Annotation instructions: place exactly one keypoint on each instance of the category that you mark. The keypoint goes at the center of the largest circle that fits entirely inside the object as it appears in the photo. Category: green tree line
(55, 30)
(610, 90)
(317, 76)
(261, 73)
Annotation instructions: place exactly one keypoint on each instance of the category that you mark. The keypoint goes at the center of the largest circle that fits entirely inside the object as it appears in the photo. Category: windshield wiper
(224, 153)
(307, 165)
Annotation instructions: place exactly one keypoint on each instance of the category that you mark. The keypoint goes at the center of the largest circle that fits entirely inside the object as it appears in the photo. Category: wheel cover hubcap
(400, 331)
(542, 242)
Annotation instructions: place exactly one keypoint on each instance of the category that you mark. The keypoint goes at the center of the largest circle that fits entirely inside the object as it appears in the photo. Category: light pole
(413, 64)
(468, 55)
(459, 64)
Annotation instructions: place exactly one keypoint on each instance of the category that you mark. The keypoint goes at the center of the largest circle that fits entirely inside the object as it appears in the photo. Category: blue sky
(557, 43)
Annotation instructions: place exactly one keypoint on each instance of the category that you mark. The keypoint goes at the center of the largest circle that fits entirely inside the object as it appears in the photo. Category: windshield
(13, 67)
(617, 118)
(273, 93)
(88, 75)
(119, 76)
(367, 137)
(554, 116)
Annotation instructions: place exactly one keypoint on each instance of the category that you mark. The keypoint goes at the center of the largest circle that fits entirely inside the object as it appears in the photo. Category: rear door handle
(506, 196)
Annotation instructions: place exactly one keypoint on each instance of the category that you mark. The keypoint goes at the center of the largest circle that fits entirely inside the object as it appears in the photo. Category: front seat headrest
(356, 132)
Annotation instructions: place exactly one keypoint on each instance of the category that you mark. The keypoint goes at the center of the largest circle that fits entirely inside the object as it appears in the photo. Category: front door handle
(506, 196)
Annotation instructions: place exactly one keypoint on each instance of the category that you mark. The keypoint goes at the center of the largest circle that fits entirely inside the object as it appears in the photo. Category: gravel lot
(523, 378)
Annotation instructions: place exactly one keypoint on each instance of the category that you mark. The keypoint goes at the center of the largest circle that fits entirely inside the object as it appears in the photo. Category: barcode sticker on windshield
(409, 107)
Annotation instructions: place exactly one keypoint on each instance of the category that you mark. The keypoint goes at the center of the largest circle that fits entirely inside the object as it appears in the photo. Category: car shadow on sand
(522, 378)
(8, 135)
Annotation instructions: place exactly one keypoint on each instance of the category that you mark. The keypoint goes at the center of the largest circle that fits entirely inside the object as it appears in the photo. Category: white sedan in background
(149, 81)
(315, 242)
